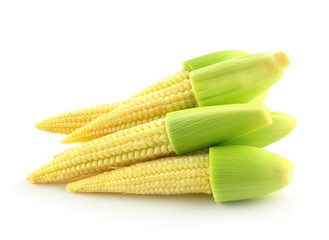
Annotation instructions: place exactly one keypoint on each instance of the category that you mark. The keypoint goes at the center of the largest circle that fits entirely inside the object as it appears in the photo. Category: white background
(57, 56)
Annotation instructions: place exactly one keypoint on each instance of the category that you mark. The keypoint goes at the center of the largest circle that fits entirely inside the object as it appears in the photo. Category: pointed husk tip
(193, 129)
(239, 79)
(282, 58)
(281, 126)
(244, 172)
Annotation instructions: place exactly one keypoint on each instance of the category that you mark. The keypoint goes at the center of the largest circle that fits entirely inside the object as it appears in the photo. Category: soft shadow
(201, 199)
(197, 201)
(278, 196)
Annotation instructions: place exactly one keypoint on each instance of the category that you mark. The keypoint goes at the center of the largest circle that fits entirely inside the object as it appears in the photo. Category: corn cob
(230, 172)
(68, 122)
(171, 175)
(208, 126)
(138, 111)
(237, 80)
(141, 143)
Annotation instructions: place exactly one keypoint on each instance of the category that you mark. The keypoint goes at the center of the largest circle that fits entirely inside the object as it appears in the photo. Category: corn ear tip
(38, 125)
(72, 137)
(69, 188)
(30, 178)
(67, 140)
(73, 187)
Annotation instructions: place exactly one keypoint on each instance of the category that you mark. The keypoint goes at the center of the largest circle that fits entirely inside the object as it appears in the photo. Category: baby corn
(140, 143)
(166, 176)
(68, 122)
(153, 140)
(229, 172)
(237, 80)
(137, 111)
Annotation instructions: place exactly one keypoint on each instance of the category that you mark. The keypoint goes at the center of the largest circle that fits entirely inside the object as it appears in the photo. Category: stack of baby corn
(200, 130)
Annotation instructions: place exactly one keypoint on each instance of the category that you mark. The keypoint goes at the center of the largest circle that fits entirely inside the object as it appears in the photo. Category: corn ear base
(231, 173)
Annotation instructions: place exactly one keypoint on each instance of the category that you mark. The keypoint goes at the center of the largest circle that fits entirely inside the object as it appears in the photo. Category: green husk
(244, 172)
(197, 128)
(260, 98)
(211, 58)
(282, 125)
(237, 80)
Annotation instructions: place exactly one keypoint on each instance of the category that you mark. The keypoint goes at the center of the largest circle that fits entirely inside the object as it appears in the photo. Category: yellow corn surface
(137, 111)
(164, 83)
(167, 176)
(70, 121)
(136, 144)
